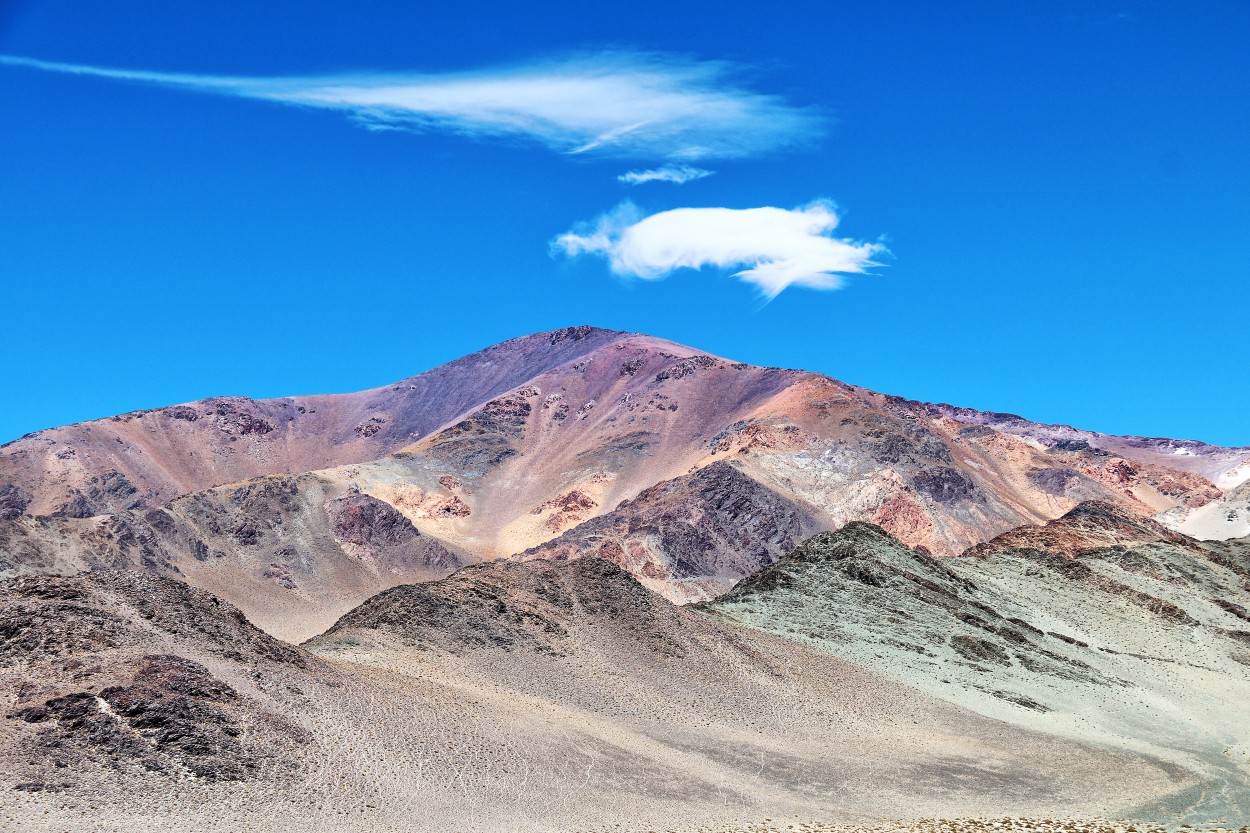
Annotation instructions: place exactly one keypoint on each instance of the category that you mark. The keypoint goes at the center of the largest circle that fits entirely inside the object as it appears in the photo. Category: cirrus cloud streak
(620, 104)
(778, 247)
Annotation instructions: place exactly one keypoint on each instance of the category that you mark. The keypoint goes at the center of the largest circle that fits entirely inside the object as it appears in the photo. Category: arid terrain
(592, 580)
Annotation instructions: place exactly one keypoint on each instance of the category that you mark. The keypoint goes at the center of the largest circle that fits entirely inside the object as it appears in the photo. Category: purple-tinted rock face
(13, 501)
(708, 530)
(361, 519)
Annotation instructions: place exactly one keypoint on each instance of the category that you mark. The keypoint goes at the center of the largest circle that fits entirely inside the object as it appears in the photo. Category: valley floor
(35, 816)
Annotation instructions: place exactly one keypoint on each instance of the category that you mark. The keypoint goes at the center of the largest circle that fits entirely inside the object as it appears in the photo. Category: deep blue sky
(1062, 186)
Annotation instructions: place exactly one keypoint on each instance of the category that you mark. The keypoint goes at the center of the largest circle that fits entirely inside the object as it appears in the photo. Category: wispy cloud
(621, 104)
(676, 174)
(779, 247)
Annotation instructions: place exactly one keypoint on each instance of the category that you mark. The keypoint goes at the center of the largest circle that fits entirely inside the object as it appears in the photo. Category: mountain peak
(580, 332)
(143, 458)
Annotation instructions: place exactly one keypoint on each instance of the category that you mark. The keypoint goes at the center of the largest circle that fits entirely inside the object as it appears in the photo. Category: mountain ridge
(235, 416)
(590, 442)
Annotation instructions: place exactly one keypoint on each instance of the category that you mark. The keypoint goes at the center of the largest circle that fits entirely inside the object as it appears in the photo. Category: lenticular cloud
(621, 104)
(778, 247)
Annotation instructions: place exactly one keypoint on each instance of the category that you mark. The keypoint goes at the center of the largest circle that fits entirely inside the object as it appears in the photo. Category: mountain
(1139, 641)
(557, 445)
(450, 603)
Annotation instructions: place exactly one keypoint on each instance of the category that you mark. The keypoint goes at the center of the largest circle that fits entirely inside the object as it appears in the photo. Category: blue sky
(1054, 193)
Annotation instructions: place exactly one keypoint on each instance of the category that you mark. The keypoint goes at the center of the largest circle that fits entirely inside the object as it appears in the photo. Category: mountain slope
(293, 552)
(706, 711)
(535, 696)
(1140, 646)
(120, 684)
(144, 458)
(586, 436)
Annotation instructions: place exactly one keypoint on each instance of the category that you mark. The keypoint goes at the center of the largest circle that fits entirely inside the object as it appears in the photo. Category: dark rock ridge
(57, 617)
(508, 606)
(701, 532)
(862, 586)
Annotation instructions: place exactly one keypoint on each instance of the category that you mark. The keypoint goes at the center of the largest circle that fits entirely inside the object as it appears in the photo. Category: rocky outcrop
(692, 537)
(365, 521)
(169, 716)
(374, 529)
(13, 501)
(102, 493)
(103, 680)
(483, 440)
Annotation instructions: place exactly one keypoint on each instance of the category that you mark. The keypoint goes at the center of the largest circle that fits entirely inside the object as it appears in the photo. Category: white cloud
(623, 104)
(778, 247)
(676, 174)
